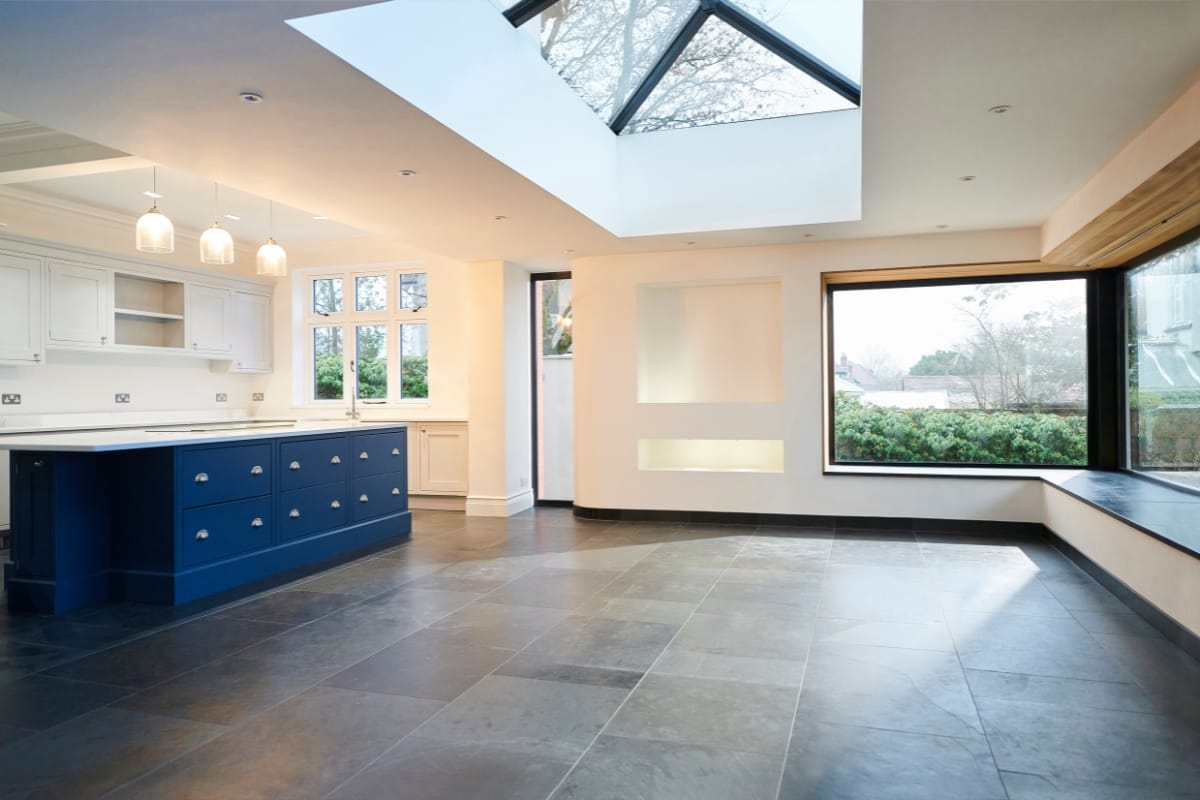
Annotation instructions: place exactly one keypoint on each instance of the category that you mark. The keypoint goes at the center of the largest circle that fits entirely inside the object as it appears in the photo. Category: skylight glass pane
(603, 48)
(722, 76)
(830, 30)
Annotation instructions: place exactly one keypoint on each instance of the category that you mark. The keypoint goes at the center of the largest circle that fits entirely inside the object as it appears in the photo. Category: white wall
(609, 420)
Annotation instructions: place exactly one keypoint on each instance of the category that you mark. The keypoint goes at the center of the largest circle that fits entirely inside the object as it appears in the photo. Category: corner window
(351, 344)
(986, 372)
(1163, 392)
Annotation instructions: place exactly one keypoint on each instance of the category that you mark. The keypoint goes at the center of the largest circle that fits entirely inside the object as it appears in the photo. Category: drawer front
(312, 462)
(220, 474)
(311, 510)
(377, 495)
(224, 530)
(377, 453)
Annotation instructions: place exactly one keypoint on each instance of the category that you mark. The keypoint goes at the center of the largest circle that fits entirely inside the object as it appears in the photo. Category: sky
(907, 323)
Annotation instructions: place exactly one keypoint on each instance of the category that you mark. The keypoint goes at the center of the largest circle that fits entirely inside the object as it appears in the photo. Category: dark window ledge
(1170, 515)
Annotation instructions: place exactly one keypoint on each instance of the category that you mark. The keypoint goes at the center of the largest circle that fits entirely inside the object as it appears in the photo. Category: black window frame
(1105, 365)
(748, 25)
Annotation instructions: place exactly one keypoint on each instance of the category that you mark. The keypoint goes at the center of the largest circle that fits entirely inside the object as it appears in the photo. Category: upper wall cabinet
(251, 332)
(209, 319)
(21, 325)
(80, 304)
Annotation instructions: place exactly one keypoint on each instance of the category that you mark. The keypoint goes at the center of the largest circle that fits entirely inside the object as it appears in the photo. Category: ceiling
(161, 81)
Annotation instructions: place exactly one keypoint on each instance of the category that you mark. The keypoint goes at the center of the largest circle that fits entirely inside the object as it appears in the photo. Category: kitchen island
(172, 513)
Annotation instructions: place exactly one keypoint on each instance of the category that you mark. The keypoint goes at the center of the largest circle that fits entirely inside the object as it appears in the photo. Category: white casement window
(368, 332)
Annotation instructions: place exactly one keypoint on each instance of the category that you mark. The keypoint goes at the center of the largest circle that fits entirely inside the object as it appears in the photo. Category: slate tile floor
(547, 657)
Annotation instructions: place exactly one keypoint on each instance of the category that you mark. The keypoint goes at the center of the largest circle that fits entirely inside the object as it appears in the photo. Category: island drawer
(377, 453)
(377, 495)
(223, 530)
(219, 474)
(311, 462)
(311, 510)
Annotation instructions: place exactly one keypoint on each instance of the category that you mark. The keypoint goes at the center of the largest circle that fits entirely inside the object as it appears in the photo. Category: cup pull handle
(363, 456)
(362, 498)
(256, 470)
(295, 465)
(336, 504)
(201, 535)
(202, 477)
(335, 460)
(294, 513)
(256, 522)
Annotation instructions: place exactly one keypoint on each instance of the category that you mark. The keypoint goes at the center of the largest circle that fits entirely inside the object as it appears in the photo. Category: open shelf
(148, 311)
(139, 314)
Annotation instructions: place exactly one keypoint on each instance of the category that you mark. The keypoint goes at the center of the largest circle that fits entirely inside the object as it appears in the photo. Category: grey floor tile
(499, 625)
(608, 559)
(654, 582)
(635, 609)
(909, 635)
(18, 659)
(917, 691)
(1168, 676)
(638, 769)
(882, 602)
(1032, 645)
(1078, 592)
(39, 701)
(290, 607)
(746, 637)
(1122, 623)
(677, 660)
(840, 762)
(457, 583)
(160, 656)
(59, 632)
(92, 754)
(553, 719)
(422, 606)
(428, 664)
(1058, 691)
(1153, 752)
(430, 769)
(1022, 786)
(529, 666)
(1030, 599)
(225, 692)
(304, 748)
(10, 733)
(876, 551)
(553, 588)
(733, 716)
(368, 578)
(595, 642)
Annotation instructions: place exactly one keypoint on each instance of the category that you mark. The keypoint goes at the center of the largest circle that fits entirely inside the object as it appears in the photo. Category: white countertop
(174, 435)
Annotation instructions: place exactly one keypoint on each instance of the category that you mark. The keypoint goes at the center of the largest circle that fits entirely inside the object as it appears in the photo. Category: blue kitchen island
(173, 513)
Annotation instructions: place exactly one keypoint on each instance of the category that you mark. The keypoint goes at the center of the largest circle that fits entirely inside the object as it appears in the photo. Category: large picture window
(374, 340)
(1163, 332)
(970, 373)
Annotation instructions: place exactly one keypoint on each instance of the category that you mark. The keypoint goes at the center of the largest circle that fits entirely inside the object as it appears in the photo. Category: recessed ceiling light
(966, 178)
(943, 227)
(1001, 109)
(319, 217)
(406, 173)
(689, 243)
(809, 235)
(568, 251)
(233, 217)
(3, 224)
(155, 195)
(499, 218)
(251, 96)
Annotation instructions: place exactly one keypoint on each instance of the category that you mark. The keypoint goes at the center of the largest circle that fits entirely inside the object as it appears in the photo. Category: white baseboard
(500, 506)
(431, 502)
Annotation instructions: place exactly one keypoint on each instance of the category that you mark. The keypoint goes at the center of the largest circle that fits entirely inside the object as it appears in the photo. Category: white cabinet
(21, 340)
(441, 458)
(80, 305)
(251, 332)
(208, 319)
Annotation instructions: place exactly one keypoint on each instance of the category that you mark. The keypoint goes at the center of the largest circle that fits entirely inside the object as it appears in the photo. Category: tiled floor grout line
(642, 679)
(787, 750)
(366, 767)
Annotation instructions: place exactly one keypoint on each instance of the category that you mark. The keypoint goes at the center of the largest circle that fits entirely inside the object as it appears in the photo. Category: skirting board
(499, 506)
(434, 502)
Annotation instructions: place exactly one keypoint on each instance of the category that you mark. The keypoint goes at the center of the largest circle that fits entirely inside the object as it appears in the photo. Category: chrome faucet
(353, 412)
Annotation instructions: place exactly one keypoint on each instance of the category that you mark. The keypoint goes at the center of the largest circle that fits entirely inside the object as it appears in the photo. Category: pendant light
(271, 258)
(216, 245)
(155, 233)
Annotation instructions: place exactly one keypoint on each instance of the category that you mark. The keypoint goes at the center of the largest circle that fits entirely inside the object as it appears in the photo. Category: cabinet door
(209, 319)
(251, 332)
(21, 329)
(443, 458)
(80, 304)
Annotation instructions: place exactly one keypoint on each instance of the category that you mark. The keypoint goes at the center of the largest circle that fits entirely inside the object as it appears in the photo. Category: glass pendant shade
(216, 246)
(272, 260)
(155, 233)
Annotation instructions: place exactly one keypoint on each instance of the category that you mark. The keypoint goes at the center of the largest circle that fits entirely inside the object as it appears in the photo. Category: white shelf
(139, 314)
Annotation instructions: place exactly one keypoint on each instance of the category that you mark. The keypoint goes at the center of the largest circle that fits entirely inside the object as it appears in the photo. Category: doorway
(553, 389)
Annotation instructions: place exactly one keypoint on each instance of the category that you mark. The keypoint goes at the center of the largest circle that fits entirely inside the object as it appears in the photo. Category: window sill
(1052, 474)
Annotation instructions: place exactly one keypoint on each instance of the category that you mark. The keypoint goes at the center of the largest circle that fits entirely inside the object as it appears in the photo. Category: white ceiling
(161, 81)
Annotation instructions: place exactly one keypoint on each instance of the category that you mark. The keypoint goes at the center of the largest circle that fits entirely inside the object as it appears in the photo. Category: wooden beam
(944, 271)
(1162, 207)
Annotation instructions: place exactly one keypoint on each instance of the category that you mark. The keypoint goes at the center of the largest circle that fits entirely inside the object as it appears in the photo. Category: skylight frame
(746, 24)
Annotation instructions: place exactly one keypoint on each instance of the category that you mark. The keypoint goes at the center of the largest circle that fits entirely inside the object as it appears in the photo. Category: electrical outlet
(257, 396)
(222, 397)
(11, 399)
(121, 398)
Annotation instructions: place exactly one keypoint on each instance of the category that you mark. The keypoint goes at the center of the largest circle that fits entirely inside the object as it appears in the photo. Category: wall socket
(222, 397)
(121, 398)
(10, 399)
(257, 396)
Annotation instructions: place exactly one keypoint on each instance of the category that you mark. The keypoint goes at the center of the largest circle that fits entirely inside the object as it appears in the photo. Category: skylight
(645, 65)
